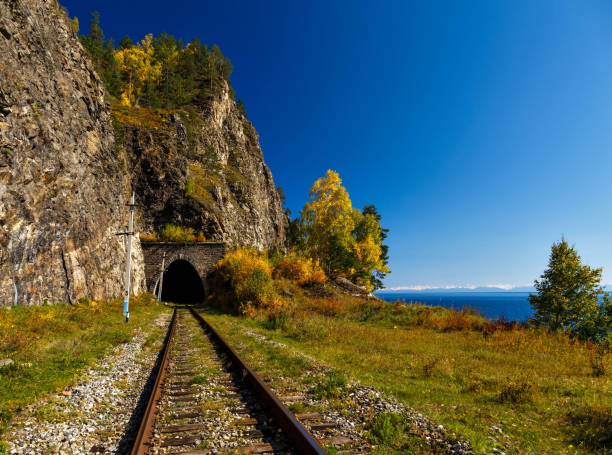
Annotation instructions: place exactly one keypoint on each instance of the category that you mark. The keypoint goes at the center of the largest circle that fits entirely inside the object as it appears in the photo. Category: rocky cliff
(68, 162)
(201, 166)
(62, 193)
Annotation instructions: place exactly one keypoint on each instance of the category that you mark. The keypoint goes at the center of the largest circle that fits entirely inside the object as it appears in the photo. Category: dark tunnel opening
(182, 284)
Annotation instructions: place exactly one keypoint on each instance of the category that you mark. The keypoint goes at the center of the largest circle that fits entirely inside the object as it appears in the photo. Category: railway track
(206, 400)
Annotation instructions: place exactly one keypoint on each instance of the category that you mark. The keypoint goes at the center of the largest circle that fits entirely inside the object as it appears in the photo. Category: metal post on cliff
(161, 278)
(128, 260)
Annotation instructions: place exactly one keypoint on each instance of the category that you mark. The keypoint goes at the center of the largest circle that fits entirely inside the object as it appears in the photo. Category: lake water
(514, 306)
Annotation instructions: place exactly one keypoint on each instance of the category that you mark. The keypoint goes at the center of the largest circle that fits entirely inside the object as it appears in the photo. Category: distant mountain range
(426, 289)
(440, 290)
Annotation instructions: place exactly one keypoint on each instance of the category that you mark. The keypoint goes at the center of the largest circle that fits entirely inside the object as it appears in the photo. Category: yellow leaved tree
(345, 241)
(138, 68)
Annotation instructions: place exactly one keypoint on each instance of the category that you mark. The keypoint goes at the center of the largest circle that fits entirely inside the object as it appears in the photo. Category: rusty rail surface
(145, 432)
(303, 441)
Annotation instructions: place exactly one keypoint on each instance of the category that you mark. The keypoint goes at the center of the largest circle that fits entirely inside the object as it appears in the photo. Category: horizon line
(506, 287)
(425, 287)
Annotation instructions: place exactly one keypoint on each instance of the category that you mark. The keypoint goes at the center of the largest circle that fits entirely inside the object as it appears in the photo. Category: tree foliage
(102, 53)
(345, 241)
(158, 72)
(570, 296)
(138, 69)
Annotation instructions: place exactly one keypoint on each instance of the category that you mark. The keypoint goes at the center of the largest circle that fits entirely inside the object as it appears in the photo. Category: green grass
(52, 344)
(539, 388)
(330, 387)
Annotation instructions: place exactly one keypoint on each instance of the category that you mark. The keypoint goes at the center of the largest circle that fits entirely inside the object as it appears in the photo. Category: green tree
(241, 107)
(346, 241)
(166, 52)
(102, 55)
(570, 296)
(328, 222)
(295, 239)
(94, 41)
(110, 70)
(125, 43)
(370, 225)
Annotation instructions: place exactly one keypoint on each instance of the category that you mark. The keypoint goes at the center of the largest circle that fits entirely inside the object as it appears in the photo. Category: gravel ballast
(99, 413)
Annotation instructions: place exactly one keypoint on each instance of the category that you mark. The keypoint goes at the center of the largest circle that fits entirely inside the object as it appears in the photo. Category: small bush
(386, 429)
(429, 367)
(277, 318)
(301, 270)
(449, 319)
(247, 275)
(517, 392)
(153, 237)
(330, 387)
(598, 354)
(173, 233)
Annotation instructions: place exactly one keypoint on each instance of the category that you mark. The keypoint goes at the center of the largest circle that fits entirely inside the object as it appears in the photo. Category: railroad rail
(200, 377)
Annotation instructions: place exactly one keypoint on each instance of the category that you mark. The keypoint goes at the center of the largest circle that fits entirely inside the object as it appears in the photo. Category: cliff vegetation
(184, 141)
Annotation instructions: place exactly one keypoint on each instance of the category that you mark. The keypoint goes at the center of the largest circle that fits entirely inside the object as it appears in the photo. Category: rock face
(202, 167)
(62, 193)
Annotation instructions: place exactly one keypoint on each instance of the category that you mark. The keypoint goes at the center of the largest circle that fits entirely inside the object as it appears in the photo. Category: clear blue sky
(480, 129)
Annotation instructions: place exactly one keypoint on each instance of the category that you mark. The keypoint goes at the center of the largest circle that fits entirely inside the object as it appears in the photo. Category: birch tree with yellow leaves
(137, 67)
(346, 241)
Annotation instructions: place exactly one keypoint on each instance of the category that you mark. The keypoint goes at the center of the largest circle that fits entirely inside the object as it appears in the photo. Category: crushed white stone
(98, 414)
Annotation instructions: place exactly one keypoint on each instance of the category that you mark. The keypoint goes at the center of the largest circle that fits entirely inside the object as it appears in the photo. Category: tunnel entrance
(182, 283)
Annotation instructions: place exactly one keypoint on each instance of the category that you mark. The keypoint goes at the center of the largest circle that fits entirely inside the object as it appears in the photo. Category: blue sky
(481, 130)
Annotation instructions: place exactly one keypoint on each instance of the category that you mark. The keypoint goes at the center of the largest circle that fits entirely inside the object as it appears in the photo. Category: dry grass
(540, 389)
(52, 344)
(139, 116)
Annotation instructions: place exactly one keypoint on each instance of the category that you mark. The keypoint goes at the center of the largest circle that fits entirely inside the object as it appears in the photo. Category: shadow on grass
(591, 428)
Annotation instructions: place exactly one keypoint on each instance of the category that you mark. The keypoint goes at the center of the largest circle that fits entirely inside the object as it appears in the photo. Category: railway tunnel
(182, 283)
(186, 269)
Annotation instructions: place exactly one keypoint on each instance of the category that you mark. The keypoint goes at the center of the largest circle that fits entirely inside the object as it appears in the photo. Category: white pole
(126, 298)
(161, 278)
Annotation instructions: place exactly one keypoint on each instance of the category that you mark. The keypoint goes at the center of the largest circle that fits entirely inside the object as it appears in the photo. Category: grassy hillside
(512, 388)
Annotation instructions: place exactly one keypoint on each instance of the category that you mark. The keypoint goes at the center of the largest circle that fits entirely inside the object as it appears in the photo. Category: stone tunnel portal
(186, 268)
(182, 284)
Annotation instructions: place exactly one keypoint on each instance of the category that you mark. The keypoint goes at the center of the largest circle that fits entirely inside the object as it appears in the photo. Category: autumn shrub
(173, 233)
(449, 319)
(517, 391)
(247, 275)
(277, 318)
(200, 237)
(299, 269)
(153, 237)
(328, 307)
(599, 354)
